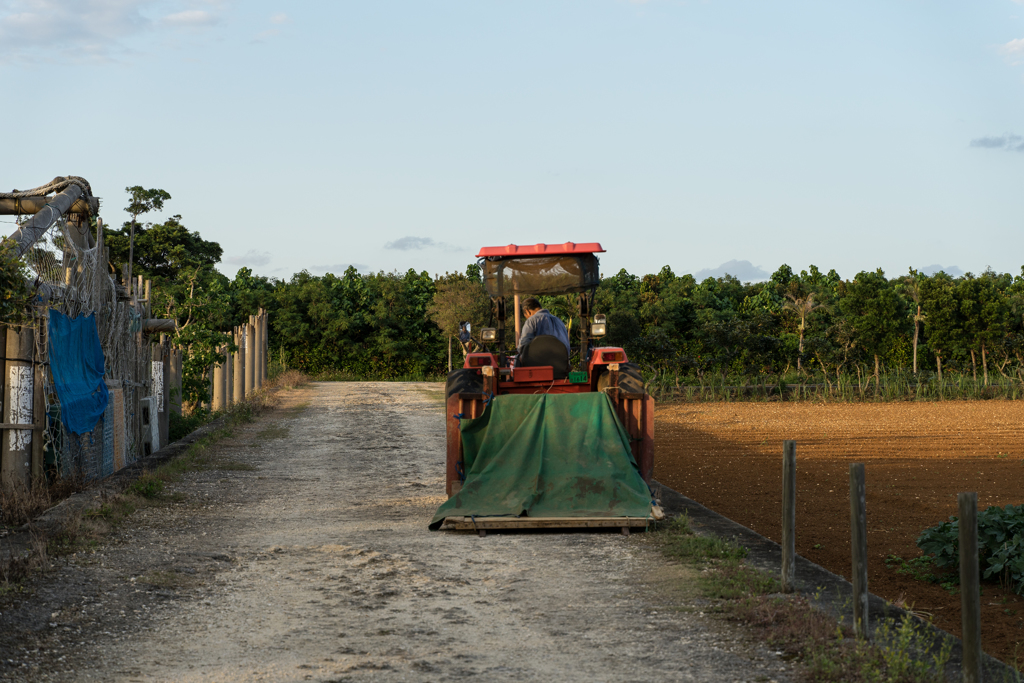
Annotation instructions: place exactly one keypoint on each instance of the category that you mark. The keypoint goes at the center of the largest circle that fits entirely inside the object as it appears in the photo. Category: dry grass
(20, 504)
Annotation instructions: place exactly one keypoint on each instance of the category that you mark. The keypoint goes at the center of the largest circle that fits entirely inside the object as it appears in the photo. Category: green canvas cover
(545, 455)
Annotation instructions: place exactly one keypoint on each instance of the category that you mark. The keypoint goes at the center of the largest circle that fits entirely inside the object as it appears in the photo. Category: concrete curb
(834, 593)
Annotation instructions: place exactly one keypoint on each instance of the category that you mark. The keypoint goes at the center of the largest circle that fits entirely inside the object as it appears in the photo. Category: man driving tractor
(540, 322)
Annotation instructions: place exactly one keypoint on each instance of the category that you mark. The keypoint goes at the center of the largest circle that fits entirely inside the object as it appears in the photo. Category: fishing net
(76, 280)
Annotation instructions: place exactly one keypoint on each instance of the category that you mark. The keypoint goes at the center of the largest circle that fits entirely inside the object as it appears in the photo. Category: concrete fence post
(970, 587)
(788, 516)
(219, 370)
(239, 371)
(859, 548)
(257, 375)
(266, 346)
(18, 405)
(250, 357)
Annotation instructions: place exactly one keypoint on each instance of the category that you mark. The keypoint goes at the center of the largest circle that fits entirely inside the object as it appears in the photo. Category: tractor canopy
(540, 268)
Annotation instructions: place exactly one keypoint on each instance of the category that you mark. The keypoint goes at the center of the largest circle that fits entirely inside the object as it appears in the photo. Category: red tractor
(494, 369)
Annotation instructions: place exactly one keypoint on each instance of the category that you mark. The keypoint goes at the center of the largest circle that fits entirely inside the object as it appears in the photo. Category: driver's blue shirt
(539, 324)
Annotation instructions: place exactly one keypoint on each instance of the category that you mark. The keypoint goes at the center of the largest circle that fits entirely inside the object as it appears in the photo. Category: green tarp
(548, 456)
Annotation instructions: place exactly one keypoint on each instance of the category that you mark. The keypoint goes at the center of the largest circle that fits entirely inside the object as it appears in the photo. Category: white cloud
(250, 258)
(952, 271)
(744, 271)
(416, 243)
(191, 18)
(82, 29)
(336, 268)
(1007, 141)
(279, 18)
(1013, 50)
(90, 30)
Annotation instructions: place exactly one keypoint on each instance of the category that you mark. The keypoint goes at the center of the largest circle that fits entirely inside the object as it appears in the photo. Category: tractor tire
(630, 379)
(463, 381)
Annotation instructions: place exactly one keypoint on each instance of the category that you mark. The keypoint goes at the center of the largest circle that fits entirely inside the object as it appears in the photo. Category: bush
(1000, 545)
(181, 426)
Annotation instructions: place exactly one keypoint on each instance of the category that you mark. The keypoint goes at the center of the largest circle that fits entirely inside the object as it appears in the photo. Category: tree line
(802, 326)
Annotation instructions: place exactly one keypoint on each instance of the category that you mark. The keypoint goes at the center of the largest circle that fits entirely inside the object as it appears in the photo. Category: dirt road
(316, 564)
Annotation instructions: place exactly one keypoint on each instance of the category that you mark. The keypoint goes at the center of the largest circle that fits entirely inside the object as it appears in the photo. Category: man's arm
(528, 332)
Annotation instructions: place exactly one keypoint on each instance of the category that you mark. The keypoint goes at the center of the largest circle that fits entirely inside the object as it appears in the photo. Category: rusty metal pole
(788, 516)
(16, 450)
(515, 303)
(250, 357)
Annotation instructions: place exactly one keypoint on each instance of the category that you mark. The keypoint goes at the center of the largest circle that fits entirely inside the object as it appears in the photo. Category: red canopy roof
(541, 249)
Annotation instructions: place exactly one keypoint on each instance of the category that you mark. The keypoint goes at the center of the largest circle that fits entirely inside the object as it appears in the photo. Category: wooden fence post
(970, 587)
(859, 547)
(788, 516)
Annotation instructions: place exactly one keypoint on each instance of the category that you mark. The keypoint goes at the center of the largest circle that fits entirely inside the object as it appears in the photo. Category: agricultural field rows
(917, 455)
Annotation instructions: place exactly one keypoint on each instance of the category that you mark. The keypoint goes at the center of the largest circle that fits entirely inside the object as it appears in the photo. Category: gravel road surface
(308, 558)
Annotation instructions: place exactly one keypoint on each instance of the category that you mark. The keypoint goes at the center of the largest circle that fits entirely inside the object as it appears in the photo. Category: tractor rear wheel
(463, 381)
(630, 379)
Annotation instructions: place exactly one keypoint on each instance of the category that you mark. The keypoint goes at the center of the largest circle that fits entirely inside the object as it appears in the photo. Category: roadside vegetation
(899, 651)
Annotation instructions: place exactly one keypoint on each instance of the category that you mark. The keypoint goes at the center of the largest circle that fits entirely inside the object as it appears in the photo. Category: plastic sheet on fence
(548, 456)
(77, 364)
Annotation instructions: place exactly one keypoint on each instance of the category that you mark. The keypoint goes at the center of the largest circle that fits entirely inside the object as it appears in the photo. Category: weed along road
(298, 550)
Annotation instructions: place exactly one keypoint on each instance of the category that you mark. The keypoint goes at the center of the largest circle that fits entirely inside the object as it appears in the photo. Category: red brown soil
(918, 456)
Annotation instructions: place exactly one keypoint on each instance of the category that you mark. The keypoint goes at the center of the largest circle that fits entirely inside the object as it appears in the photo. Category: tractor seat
(546, 350)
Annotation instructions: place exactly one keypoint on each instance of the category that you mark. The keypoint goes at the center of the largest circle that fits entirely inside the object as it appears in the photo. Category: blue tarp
(76, 361)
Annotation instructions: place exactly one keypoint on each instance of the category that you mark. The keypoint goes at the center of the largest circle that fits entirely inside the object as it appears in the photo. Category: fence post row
(970, 587)
(859, 548)
(788, 516)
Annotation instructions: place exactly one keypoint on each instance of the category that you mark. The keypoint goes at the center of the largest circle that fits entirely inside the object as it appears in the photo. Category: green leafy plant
(1000, 545)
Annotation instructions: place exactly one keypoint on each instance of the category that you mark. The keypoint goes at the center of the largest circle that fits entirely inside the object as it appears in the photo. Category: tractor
(575, 452)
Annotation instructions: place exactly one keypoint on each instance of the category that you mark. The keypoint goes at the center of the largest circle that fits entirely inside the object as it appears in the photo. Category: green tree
(142, 201)
(875, 311)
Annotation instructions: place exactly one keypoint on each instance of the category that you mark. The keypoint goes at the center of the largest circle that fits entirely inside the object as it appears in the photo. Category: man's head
(530, 306)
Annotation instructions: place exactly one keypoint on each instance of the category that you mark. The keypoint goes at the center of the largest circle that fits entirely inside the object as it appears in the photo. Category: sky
(707, 136)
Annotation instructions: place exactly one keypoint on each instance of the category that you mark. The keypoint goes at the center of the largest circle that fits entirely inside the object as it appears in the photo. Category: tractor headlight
(488, 334)
(598, 329)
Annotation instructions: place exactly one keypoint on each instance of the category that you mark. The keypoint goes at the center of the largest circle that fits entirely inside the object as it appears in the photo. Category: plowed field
(918, 456)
